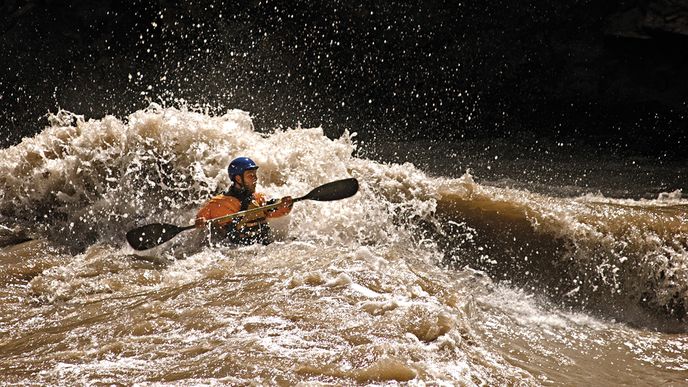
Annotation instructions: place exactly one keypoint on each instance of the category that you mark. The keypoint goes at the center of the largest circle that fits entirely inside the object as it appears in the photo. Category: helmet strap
(238, 182)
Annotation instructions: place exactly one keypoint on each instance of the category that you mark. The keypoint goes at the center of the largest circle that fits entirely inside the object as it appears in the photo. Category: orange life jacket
(249, 229)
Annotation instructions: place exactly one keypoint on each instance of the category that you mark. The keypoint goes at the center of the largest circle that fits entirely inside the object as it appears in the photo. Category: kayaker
(241, 196)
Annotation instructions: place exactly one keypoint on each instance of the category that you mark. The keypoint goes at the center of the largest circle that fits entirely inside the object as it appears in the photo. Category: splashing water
(416, 278)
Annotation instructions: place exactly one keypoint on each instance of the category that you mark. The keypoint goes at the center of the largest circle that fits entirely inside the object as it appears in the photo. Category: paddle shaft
(151, 235)
(252, 210)
(335, 190)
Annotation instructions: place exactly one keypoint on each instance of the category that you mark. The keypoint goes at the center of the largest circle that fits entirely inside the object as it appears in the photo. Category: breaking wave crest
(79, 183)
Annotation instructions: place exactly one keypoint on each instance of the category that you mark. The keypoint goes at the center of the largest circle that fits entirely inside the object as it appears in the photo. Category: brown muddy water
(417, 279)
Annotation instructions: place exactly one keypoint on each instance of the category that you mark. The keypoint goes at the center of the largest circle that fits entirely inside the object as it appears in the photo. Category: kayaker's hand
(287, 202)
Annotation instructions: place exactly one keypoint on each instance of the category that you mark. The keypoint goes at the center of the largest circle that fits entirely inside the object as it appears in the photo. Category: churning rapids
(418, 278)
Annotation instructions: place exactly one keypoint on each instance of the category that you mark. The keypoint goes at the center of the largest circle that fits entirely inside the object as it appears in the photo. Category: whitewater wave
(79, 183)
(613, 255)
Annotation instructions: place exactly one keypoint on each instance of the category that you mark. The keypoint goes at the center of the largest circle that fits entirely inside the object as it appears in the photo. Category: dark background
(607, 74)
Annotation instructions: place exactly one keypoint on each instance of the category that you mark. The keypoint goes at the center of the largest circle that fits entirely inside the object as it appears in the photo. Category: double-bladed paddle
(151, 235)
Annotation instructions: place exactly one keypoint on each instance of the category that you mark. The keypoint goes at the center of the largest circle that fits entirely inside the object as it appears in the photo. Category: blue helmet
(240, 165)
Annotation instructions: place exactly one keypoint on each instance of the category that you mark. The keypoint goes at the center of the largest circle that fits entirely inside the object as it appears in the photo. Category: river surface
(454, 264)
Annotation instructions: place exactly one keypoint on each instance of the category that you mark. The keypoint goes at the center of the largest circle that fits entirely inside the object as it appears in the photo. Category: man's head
(242, 171)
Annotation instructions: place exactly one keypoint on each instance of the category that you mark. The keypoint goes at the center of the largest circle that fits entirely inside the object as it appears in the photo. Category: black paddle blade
(336, 190)
(151, 235)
